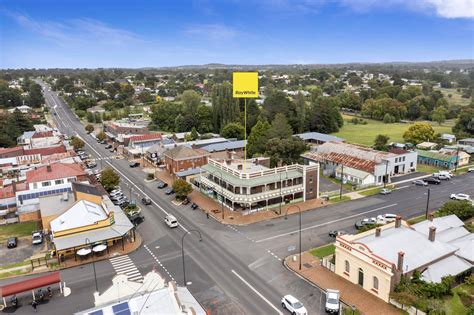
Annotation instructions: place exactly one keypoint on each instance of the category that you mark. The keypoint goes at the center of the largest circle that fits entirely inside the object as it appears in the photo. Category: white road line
(325, 223)
(256, 292)
(402, 187)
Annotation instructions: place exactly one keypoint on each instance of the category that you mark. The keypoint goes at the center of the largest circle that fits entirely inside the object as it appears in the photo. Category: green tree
(280, 128)
(191, 101)
(35, 96)
(258, 138)
(278, 102)
(204, 117)
(381, 142)
(182, 188)
(288, 150)
(233, 130)
(90, 117)
(463, 209)
(439, 114)
(419, 132)
(225, 109)
(89, 128)
(164, 115)
(324, 115)
(140, 76)
(77, 143)
(145, 97)
(101, 136)
(465, 122)
(109, 179)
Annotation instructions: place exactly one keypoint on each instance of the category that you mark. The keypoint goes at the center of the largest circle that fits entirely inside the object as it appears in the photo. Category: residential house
(316, 138)
(96, 110)
(427, 145)
(252, 185)
(463, 157)
(377, 259)
(222, 149)
(181, 158)
(38, 139)
(10, 152)
(139, 144)
(467, 141)
(448, 138)
(359, 165)
(116, 130)
(7, 196)
(24, 109)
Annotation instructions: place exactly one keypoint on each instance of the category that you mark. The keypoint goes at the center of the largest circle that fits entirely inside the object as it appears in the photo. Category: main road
(234, 270)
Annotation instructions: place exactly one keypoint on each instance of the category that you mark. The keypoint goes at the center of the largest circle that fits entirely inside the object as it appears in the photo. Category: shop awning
(30, 284)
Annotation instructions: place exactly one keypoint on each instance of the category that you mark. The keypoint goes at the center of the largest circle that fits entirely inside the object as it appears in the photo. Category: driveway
(22, 252)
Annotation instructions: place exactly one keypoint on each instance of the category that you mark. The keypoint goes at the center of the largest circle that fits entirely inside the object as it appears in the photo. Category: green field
(323, 251)
(455, 99)
(365, 134)
(17, 229)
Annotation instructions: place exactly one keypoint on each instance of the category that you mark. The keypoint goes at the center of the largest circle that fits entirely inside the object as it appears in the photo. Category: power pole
(457, 160)
(427, 203)
(342, 177)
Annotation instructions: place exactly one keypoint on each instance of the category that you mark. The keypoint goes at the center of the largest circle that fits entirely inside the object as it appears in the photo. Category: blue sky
(117, 33)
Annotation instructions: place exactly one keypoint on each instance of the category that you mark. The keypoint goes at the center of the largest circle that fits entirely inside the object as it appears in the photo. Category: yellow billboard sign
(245, 85)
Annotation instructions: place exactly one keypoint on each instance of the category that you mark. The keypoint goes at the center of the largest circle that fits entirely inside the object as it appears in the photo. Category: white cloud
(443, 8)
(212, 31)
(81, 30)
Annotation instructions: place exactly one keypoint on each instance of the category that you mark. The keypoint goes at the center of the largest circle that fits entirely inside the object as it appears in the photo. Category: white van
(171, 221)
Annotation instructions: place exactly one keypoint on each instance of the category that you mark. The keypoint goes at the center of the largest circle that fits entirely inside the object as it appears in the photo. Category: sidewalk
(351, 294)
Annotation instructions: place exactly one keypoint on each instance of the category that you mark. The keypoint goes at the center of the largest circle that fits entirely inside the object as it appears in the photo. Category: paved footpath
(350, 293)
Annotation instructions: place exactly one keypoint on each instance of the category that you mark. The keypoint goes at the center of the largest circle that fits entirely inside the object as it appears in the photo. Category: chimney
(377, 232)
(432, 234)
(400, 261)
(48, 168)
(430, 217)
(398, 221)
(240, 167)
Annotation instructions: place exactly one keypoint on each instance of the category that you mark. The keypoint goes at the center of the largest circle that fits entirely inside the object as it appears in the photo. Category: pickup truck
(332, 301)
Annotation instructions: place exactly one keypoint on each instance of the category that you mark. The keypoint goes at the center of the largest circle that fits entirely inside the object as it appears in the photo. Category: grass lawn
(423, 168)
(17, 229)
(454, 306)
(323, 251)
(455, 99)
(18, 264)
(365, 134)
(336, 199)
(14, 273)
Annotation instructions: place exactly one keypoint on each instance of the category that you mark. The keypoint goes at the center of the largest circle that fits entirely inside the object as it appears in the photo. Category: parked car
(367, 221)
(146, 201)
(432, 180)
(162, 184)
(117, 196)
(115, 192)
(442, 176)
(12, 242)
(332, 301)
(460, 197)
(420, 182)
(194, 206)
(185, 201)
(387, 218)
(134, 164)
(120, 200)
(470, 169)
(171, 221)
(294, 306)
(169, 191)
(335, 233)
(124, 204)
(385, 191)
(91, 164)
(37, 238)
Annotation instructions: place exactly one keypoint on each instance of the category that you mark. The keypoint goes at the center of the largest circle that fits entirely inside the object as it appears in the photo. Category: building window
(45, 184)
(311, 179)
(411, 164)
(347, 266)
(375, 284)
(58, 181)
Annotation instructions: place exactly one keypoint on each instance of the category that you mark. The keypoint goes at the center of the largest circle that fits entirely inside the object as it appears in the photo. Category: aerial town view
(231, 157)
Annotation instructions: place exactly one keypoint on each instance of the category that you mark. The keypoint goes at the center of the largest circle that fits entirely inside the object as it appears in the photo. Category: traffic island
(313, 272)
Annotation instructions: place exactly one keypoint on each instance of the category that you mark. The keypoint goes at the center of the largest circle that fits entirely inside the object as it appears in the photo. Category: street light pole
(427, 203)
(299, 212)
(281, 196)
(457, 160)
(182, 251)
(222, 192)
(93, 265)
(342, 178)
(386, 174)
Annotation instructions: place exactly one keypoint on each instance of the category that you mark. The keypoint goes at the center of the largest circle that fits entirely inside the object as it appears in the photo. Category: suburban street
(234, 269)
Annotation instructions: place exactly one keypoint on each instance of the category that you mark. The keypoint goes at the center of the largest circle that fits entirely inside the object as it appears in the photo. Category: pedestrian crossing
(124, 265)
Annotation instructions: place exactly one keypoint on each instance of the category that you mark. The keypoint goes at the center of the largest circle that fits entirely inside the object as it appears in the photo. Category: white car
(37, 238)
(387, 217)
(460, 197)
(171, 221)
(471, 169)
(332, 301)
(294, 306)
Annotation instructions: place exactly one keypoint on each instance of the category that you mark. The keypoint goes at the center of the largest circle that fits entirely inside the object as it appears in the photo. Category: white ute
(460, 197)
(332, 301)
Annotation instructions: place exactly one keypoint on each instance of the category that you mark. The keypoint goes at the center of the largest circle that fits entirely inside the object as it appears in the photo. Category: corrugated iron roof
(344, 159)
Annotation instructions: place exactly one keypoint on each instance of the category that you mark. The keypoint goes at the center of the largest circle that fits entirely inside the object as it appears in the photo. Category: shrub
(150, 176)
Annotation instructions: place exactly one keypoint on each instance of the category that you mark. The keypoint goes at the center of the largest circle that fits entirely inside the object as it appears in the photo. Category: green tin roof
(436, 156)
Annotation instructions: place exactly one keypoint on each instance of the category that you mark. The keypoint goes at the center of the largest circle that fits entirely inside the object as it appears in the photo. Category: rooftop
(146, 137)
(183, 152)
(55, 204)
(230, 145)
(87, 189)
(451, 265)
(344, 159)
(318, 136)
(56, 171)
(360, 152)
(436, 156)
(83, 213)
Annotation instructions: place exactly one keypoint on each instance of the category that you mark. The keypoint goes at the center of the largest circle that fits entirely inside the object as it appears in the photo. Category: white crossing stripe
(124, 265)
